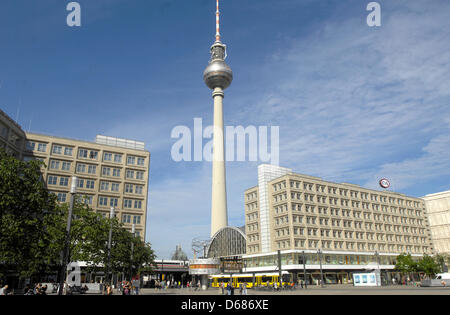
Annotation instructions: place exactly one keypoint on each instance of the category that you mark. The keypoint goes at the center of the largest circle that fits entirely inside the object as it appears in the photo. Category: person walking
(244, 289)
(4, 290)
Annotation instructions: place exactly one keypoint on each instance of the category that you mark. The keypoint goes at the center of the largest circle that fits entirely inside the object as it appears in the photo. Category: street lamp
(319, 252)
(111, 216)
(133, 231)
(304, 269)
(377, 256)
(65, 253)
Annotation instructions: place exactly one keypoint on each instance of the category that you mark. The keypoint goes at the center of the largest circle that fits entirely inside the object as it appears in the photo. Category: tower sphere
(218, 74)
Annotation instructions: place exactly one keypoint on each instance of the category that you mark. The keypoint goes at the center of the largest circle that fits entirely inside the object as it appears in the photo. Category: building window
(92, 169)
(90, 184)
(81, 168)
(118, 158)
(107, 156)
(66, 166)
(138, 190)
(106, 171)
(126, 218)
(102, 201)
(116, 172)
(64, 181)
(104, 186)
(83, 153)
(80, 183)
(139, 175)
(115, 187)
(137, 219)
(52, 180)
(131, 160)
(68, 151)
(30, 145)
(54, 165)
(128, 188)
(141, 161)
(138, 204)
(57, 149)
(61, 197)
(113, 202)
(127, 203)
(130, 174)
(93, 155)
(42, 147)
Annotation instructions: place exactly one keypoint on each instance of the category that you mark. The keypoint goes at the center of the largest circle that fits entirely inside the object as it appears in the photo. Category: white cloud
(352, 101)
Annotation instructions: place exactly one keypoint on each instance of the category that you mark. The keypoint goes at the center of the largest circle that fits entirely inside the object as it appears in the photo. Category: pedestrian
(44, 290)
(229, 289)
(244, 289)
(232, 289)
(108, 289)
(4, 290)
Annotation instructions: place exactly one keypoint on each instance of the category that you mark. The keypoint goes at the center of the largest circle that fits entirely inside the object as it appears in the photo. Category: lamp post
(319, 252)
(108, 263)
(133, 231)
(65, 253)
(304, 269)
(377, 257)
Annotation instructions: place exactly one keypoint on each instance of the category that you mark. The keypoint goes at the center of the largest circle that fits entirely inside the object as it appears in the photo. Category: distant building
(438, 210)
(343, 226)
(12, 137)
(111, 172)
(179, 254)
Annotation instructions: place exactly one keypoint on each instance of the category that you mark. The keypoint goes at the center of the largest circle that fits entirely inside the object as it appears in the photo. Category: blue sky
(353, 103)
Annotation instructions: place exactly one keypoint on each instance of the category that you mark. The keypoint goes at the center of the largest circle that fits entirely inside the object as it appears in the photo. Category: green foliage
(33, 227)
(25, 205)
(406, 264)
(429, 266)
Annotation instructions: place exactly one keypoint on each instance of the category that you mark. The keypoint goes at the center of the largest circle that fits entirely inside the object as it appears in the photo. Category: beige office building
(353, 227)
(12, 137)
(111, 172)
(438, 210)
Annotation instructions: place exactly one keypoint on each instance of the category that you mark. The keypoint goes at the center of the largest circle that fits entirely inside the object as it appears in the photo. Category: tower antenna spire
(217, 22)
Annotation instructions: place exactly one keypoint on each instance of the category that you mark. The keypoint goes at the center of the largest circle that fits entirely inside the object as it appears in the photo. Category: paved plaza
(314, 290)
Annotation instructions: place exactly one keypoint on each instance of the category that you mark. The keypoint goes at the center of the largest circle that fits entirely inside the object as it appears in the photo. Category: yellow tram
(261, 279)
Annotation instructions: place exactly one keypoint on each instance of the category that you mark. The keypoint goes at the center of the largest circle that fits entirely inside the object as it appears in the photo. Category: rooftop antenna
(217, 22)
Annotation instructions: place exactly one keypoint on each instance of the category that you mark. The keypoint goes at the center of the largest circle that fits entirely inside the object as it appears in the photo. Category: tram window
(266, 279)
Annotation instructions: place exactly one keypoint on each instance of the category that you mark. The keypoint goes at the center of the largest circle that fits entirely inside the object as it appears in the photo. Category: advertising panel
(366, 279)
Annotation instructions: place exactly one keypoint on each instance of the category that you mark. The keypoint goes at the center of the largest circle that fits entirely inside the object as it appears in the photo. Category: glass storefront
(314, 259)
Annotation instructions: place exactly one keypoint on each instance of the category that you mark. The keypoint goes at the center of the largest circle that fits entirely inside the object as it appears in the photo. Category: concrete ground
(314, 290)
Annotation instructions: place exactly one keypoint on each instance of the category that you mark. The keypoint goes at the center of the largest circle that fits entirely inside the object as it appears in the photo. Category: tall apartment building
(305, 212)
(111, 172)
(12, 137)
(352, 226)
(438, 210)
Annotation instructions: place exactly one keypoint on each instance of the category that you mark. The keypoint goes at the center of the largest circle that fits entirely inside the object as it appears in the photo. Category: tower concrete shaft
(218, 77)
(219, 216)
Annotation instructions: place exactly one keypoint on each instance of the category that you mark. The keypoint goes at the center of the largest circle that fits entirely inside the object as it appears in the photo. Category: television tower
(218, 77)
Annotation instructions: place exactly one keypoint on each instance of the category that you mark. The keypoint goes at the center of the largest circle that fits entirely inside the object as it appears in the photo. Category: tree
(25, 207)
(89, 241)
(405, 264)
(429, 266)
